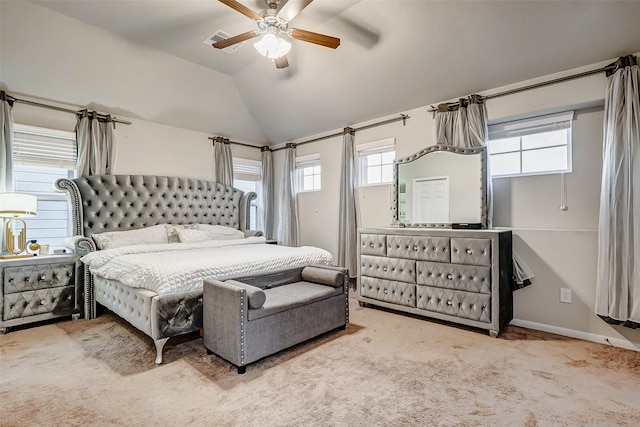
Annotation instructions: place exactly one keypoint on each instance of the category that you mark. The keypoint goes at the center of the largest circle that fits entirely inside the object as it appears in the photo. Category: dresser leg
(362, 304)
(493, 334)
(4, 331)
(75, 316)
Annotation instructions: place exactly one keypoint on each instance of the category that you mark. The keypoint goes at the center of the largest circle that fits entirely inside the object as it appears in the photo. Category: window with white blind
(247, 176)
(376, 162)
(309, 173)
(40, 157)
(535, 146)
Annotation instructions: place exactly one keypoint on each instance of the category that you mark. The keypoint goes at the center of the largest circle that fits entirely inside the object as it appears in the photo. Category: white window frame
(251, 170)
(532, 126)
(39, 147)
(305, 163)
(378, 147)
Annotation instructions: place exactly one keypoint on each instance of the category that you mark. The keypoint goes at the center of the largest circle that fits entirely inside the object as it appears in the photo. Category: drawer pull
(415, 248)
(42, 302)
(386, 291)
(384, 268)
(449, 302)
(43, 277)
(371, 244)
(469, 251)
(450, 276)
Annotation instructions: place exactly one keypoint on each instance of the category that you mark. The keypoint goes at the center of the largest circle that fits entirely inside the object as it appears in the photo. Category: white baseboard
(587, 336)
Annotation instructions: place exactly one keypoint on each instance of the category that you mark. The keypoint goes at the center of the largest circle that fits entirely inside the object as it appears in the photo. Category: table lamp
(14, 206)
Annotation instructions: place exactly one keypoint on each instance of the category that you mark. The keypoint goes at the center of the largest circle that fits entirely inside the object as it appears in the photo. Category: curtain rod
(213, 138)
(403, 117)
(537, 85)
(66, 110)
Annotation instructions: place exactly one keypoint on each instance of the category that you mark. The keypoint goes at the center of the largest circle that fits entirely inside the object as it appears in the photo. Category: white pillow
(227, 232)
(116, 239)
(193, 236)
(172, 231)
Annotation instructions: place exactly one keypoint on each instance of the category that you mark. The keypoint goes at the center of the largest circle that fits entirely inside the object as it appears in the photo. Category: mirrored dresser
(460, 276)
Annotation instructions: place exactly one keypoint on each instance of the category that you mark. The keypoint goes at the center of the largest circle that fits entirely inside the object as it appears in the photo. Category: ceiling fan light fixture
(272, 46)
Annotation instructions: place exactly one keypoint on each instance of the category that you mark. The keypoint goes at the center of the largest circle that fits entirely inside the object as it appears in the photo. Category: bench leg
(242, 369)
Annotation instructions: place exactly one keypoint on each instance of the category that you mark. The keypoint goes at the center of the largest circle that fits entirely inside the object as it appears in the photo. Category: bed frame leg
(159, 346)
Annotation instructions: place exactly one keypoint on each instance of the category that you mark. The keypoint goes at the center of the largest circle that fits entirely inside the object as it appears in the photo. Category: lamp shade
(272, 46)
(17, 204)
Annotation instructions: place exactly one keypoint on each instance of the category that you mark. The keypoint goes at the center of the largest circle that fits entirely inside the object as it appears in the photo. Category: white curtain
(96, 144)
(223, 161)
(267, 191)
(349, 218)
(618, 278)
(6, 144)
(288, 225)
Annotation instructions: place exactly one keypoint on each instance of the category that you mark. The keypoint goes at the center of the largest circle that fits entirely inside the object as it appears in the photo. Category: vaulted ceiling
(394, 54)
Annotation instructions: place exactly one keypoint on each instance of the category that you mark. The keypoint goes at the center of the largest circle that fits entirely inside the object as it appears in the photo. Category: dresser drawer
(468, 305)
(402, 270)
(60, 300)
(36, 276)
(471, 251)
(472, 278)
(373, 244)
(419, 248)
(388, 291)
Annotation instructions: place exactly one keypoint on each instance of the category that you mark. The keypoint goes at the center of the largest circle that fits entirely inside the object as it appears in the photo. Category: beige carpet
(386, 369)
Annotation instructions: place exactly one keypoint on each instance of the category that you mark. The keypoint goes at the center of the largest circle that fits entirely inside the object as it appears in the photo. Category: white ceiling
(394, 55)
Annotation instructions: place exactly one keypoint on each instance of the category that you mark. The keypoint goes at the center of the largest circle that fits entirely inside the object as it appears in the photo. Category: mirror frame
(482, 151)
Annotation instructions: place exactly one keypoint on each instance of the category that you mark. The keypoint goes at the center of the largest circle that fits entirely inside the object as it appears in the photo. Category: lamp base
(10, 256)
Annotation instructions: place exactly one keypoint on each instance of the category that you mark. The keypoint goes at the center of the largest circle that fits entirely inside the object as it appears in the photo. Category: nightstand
(40, 288)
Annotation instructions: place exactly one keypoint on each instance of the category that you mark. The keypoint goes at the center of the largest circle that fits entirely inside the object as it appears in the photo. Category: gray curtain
(6, 153)
(267, 191)
(618, 278)
(222, 161)
(96, 144)
(465, 125)
(349, 218)
(6, 144)
(288, 224)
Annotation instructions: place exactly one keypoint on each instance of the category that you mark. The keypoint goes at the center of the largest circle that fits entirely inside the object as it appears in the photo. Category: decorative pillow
(193, 236)
(255, 296)
(172, 231)
(116, 239)
(227, 232)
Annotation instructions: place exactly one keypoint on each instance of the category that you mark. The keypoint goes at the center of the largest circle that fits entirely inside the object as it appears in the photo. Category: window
(309, 173)
(376, 162)
(536, 146)
(40, 157)
(247, 176)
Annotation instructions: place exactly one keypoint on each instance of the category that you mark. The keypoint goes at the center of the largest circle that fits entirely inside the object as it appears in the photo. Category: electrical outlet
(565, 295)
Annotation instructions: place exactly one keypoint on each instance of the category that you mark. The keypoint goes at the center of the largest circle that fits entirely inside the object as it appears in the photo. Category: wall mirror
(441, 186)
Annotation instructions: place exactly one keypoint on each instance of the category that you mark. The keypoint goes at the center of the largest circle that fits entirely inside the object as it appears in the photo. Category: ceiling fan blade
(242, 9)
(292, 8)
(311, 37)
(281, 62)
(236, 39)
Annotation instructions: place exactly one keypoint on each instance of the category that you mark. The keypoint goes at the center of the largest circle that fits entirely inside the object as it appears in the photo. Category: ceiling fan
(272, 24)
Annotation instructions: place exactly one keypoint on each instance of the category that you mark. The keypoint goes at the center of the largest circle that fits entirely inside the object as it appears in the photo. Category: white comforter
(174, 267)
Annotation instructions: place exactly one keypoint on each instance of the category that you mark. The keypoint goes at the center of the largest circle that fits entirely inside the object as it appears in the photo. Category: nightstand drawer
(37, 276)
(58, 301)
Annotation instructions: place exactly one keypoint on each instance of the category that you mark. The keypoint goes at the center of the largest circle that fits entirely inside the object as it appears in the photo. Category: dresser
(40, 288)
(459, 276)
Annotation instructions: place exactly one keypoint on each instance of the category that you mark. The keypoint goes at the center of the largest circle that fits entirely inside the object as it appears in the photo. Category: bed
(156, 285)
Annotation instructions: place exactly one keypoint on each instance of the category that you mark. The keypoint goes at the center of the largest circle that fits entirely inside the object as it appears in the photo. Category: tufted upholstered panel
(373, 244)
(388, 268)
(122, 202)
(419, 248)
(471, 251)
(467, 305)
(455, 276)
(389, 291)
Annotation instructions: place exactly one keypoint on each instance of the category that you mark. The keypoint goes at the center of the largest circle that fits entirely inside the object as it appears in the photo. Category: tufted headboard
(125, 202)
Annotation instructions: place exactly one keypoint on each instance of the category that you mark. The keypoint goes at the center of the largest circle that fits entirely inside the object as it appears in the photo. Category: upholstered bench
(253, 317)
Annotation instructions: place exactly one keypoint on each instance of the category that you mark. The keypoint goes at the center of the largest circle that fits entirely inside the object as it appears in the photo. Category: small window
(536, 146)
(40, 157)
(309, 173)
(376, 162)
(247, 176)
